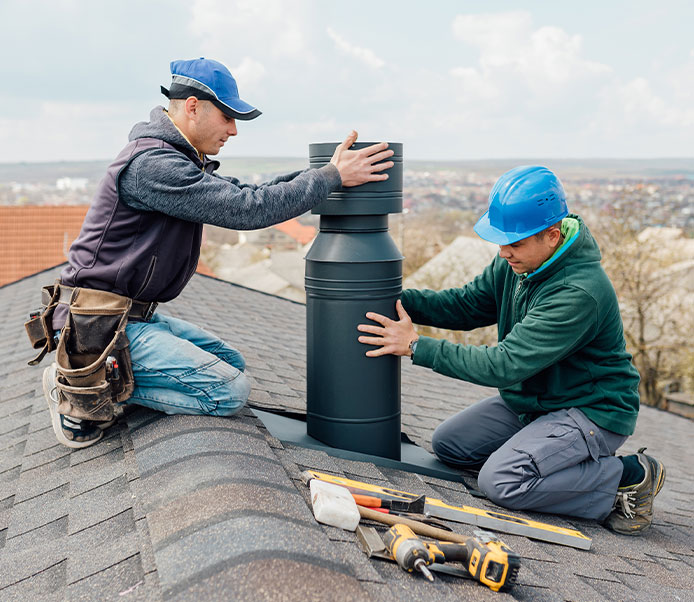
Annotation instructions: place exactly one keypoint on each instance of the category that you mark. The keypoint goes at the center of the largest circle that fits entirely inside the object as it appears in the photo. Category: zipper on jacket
(148, 277)
(521, 282)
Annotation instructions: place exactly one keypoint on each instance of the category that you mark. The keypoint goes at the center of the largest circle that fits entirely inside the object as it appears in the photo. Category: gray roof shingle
(202, 508)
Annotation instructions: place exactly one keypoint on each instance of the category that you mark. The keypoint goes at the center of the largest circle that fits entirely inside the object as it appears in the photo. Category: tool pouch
(94, 369)
(40, 325)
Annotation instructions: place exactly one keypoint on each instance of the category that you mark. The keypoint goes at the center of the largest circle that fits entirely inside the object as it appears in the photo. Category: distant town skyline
(452, 80)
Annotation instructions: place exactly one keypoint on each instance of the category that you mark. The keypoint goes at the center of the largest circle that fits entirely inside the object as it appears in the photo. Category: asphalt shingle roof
(202, 508)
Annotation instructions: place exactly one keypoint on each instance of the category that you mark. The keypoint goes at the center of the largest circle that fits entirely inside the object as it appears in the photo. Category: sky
(451, 80)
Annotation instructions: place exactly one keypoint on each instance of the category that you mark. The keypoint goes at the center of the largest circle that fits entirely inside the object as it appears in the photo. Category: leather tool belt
(92, 355)
(140, 311)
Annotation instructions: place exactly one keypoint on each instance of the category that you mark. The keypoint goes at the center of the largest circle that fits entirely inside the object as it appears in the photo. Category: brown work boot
(71, 432)
(633, 510)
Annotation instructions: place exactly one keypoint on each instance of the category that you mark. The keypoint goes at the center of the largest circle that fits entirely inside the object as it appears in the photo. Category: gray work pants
(561, 463)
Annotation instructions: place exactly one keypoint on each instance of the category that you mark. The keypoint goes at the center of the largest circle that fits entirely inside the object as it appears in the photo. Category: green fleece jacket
(561, 339)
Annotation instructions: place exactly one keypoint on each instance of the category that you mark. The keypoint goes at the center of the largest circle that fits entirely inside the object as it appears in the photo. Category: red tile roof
(300, 233)
(36, 237)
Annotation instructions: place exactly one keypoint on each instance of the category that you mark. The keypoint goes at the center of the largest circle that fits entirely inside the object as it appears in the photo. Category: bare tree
(656, 308)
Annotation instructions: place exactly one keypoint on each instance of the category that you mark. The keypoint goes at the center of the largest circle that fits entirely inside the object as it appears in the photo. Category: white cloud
(510, 49)
(494, 34)
(250, 72)
(503, 84)
(236, 28)
(365, 55)
(635, 104)
(638, 102)
(475, 84)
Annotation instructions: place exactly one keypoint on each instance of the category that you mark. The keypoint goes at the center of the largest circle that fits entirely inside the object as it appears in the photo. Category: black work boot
(633, 509)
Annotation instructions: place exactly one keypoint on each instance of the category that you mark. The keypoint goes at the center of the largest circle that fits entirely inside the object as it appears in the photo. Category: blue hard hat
(209, 80)
(523, 202)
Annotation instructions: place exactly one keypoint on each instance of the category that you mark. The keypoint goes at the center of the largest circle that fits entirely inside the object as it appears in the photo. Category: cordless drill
(487, 559)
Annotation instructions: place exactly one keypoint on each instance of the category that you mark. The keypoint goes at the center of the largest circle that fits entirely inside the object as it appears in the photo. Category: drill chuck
(421, 566)
(410, 552)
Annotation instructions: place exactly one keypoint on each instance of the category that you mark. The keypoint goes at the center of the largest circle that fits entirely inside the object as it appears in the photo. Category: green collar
(570, 229)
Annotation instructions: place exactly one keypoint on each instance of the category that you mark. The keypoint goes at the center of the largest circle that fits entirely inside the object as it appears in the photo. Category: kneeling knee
(487, 481)
(446, 445)
(234, 396)
(438, 444)
(240, 363)
(501, 486)
(441, 446)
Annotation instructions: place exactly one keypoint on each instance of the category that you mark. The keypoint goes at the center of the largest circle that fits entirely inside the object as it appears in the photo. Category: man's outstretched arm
(465, 308)
(165, 180)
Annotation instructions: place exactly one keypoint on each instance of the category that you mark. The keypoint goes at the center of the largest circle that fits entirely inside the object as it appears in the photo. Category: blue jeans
(182, 369)
(561, 463)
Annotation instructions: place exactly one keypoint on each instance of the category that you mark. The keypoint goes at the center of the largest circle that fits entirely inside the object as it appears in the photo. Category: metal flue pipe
(353, 266)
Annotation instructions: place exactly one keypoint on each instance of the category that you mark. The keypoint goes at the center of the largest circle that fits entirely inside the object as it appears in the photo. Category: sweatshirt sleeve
(166, 181)
(551, 331)
(472, 306)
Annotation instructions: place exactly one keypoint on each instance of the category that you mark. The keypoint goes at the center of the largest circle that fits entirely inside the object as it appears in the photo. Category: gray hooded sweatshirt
(141, 236)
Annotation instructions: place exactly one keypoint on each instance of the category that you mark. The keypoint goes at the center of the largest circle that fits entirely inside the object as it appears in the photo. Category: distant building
(71, 183)
(269, 260)
(285, 236)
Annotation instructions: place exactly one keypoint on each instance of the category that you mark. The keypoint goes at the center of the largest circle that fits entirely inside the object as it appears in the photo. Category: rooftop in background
(36, 237)
(203, 508)
(300, 233)
(458, 263)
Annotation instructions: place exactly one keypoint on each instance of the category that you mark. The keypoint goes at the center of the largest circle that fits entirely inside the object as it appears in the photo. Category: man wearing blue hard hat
(139, 245)
(568, 392)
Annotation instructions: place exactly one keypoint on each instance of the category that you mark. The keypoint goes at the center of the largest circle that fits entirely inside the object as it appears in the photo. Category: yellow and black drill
(487, 559)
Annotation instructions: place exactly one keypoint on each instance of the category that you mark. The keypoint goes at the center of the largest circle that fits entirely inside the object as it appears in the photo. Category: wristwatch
(413, 348)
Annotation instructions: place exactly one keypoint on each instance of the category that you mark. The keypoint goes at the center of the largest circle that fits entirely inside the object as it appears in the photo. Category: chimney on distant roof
(353, 401)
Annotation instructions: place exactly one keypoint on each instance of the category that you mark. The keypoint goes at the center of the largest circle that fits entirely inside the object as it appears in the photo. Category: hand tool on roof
(415, 506)
(419, 527)
(410, 509)
(486, 559)
(487, 519)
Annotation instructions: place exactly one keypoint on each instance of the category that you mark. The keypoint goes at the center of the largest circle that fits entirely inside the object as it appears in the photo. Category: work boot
(633, 509)
(71, 432)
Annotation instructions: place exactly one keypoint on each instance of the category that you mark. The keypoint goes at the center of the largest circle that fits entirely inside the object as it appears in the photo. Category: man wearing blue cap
(568, 392)
(141, 240)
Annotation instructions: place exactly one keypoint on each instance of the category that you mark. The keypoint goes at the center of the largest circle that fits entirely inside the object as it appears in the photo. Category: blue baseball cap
(209, 80)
